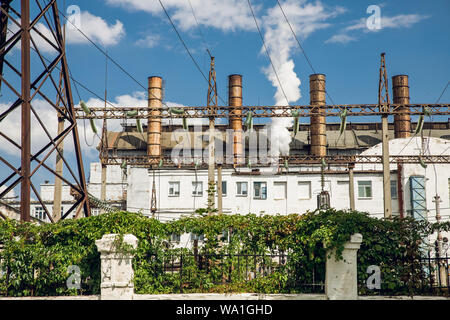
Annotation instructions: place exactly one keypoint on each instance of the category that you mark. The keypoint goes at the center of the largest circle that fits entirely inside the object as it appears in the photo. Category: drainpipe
(401, 207)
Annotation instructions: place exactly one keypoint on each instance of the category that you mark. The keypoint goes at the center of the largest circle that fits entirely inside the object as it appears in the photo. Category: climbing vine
(34, 260)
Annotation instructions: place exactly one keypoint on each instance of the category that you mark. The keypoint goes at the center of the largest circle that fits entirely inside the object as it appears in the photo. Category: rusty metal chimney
(402, 122)
(235, 100)
(318, 125)
(154, 122)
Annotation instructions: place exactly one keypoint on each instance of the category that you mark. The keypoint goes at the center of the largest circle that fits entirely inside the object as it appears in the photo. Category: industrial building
(251, 187)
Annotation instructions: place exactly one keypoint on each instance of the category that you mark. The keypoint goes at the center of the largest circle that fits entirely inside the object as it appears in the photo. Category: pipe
(402, 122)
(235, 100)
(154, 122)
(401, 207)
(318, 121)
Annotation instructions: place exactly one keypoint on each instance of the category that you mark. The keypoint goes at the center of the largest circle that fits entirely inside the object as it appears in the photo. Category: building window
(175, 238)
(304, 190)
(198, 237)
(39, 213)
(279, 190)
(224, 189)
(242, 188)
(174, 189)
(365, 189)
(260, 190)
(225, 236)
(394, 193)
(197, 189)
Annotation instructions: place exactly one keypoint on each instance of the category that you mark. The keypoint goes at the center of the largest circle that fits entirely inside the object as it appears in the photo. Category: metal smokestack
(154, 122)
(235, 100)
(318, 121)
(402, 122)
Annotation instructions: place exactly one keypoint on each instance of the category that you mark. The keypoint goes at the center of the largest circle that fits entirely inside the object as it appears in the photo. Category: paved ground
(241, 296)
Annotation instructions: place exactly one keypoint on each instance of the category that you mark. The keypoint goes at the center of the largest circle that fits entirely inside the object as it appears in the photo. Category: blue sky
(137, 34)
(420, 49)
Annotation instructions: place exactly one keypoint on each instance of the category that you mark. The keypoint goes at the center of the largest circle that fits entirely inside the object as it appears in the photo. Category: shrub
(35, 259)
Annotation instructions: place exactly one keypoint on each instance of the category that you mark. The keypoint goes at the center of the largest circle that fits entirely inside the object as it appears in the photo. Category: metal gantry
(353, 110)
(185, 162)
(37, 72)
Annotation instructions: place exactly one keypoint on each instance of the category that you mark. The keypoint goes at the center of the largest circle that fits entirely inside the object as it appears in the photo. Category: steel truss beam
(37, 80)
(354, 110)
(342, 160)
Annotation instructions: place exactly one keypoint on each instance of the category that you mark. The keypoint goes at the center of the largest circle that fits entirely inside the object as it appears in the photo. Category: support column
(351, 185)
(116, 266)
(386, 168)
(443, 275)
(402, 122)
(57, 192)
(318, 124)
(103, 187)
(26, 114)
(341, 277)
(235, 100)
(219, 189)
(154, 123)
(211, 167)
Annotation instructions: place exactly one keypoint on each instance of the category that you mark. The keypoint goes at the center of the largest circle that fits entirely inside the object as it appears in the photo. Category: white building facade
(180, 192)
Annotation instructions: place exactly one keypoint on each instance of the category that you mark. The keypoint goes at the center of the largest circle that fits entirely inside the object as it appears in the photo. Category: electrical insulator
(323, 200)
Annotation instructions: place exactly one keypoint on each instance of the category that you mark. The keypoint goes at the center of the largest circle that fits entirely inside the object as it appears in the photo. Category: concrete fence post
(116, 267)
(341, 277)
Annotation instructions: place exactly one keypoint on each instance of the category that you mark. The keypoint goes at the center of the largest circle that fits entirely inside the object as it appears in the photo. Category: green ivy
(35, 259)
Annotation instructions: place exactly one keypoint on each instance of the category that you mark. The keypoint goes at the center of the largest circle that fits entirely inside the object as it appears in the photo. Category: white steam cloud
(305, 18)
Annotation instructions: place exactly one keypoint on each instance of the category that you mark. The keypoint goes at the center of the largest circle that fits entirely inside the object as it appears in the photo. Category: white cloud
(149, 41)
(225, 15)
(340, 38)
(394, 22)
(96, 28)
(398, 21)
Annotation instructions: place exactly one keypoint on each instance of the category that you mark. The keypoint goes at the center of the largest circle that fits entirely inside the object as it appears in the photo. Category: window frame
(237, 189)
(396, 189)
(177, 183)
(195, 192)
(39, 210)
(224, 194)
(199, 237)
(262, 195)
(365, 197)
(175, 238)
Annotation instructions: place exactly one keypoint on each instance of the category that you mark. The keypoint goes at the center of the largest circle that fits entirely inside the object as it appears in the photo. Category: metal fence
(425, 275)
(437, 274)
(192, 271)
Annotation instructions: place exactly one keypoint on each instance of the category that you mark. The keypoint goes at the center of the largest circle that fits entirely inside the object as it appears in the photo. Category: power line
(110, 58)
(267, 51)
(199, 29)
(103, 52)
(186, 47)
(443, 91)
(301, 47)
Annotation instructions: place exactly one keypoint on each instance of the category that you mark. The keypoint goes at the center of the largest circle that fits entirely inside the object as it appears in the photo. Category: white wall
(140, 181)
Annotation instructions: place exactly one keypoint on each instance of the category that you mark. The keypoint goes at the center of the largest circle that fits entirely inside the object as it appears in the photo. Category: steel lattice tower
(35, 28)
